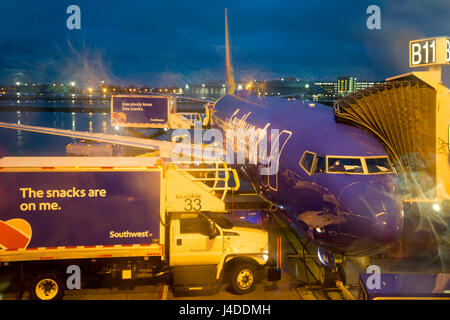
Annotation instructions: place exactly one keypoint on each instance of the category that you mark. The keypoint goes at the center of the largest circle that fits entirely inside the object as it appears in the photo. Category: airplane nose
(375, 209)
(386, 229)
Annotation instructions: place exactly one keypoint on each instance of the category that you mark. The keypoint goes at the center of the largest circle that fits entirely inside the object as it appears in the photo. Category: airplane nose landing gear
(331, 269)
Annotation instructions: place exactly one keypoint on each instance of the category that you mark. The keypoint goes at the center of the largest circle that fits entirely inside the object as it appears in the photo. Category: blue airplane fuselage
(348, 213)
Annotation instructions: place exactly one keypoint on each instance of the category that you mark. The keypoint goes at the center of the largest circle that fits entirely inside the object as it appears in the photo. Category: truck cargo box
(54, 207)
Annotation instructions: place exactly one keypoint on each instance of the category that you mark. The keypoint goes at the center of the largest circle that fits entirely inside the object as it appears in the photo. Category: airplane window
(345, 165)
(307, 161)
(320, 166)
(379, 165)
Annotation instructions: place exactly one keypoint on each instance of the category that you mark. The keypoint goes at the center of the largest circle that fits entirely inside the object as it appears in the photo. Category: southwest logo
(14, 234)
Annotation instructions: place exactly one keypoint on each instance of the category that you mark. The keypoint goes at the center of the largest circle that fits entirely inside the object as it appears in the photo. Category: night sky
(160, 43)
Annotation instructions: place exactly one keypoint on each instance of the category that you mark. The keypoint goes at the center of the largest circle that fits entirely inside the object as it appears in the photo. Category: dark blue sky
(175, 42)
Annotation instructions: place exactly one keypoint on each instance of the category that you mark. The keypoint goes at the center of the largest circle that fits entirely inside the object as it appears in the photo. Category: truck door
(190, 243)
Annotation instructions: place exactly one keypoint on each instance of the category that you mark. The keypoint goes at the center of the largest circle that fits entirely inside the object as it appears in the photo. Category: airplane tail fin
(229, 77)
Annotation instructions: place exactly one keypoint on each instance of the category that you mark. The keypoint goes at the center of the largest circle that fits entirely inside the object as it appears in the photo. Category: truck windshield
(379, 165)
(345, 165)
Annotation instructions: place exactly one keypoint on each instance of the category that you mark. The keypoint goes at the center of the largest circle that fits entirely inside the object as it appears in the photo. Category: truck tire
(47, 286)
(243, 278)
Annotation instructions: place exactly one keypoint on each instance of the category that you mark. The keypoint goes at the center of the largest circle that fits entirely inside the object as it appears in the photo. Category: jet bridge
(410, 114)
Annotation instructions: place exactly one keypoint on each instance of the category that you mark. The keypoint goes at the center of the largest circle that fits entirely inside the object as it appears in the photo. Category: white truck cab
(216, 242)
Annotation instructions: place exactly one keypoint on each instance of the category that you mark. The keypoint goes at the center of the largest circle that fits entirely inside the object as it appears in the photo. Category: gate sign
(432, 51)
(140, 111)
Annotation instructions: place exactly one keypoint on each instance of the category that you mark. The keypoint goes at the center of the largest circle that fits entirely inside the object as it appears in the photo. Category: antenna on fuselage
(229, 77)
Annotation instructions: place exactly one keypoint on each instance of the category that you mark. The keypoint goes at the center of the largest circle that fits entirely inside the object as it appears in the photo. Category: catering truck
(124, 217)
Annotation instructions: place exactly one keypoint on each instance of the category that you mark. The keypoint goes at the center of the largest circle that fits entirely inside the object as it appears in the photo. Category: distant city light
(17, 83)
(89, 89)
(72, 83)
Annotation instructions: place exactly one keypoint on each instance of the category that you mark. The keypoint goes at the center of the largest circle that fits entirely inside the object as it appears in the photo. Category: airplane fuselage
(333, 181)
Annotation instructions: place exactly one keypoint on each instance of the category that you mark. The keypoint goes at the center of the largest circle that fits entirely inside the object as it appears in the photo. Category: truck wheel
(47, 286)
(243, 278)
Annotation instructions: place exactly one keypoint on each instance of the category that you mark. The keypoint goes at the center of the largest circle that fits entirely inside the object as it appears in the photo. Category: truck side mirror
(211, 230)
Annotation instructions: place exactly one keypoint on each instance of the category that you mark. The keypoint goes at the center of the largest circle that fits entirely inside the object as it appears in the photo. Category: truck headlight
(265, 256)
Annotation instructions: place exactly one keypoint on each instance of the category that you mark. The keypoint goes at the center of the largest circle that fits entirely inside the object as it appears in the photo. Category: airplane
(334, 182)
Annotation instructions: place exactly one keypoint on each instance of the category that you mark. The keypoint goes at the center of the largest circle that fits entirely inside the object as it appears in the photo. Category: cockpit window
(320, 165)
(307, 161)
(345, 165)
(379, 165)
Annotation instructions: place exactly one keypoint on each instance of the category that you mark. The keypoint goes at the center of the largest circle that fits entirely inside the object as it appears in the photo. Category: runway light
(436, 207)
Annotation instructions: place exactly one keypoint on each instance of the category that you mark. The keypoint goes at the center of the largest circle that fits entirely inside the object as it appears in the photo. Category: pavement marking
(163, 292)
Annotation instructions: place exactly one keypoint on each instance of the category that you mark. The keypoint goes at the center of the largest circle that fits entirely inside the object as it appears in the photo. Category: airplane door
(277, 144)
(190, 243)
